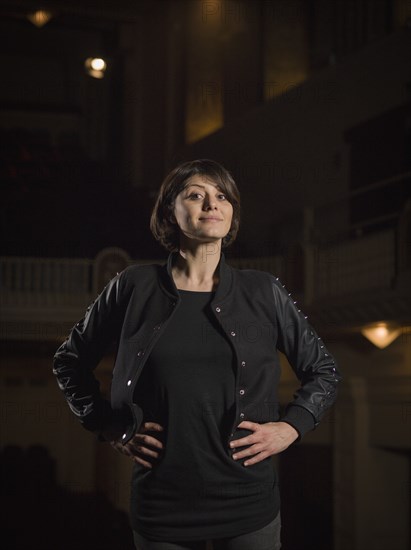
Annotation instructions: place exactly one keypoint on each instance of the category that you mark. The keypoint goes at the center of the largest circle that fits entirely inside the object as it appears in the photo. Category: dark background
(307, 103)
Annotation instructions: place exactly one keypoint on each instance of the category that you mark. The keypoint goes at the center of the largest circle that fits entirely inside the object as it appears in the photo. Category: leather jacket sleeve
(313, 364)
(80, 354)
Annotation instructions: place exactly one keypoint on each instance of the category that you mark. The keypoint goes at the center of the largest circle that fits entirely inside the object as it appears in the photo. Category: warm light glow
(381, 334)
(205, 92)
(98, 64)
(95, 66)
(40, 17)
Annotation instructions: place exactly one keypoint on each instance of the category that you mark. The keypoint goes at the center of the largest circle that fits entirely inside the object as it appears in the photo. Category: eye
(194, 195)
(221, 195)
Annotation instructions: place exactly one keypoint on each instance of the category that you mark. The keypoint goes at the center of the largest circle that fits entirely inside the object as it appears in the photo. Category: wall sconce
(381, 334)
(40, 17)
(95, 66)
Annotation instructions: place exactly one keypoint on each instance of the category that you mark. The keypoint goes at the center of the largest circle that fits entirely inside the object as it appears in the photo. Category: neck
(197, 268)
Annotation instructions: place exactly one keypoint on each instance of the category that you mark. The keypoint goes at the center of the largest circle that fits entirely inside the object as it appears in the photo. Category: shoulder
(269, 285)
(136, 274)
(264, 281)
(141, 270)
(257, 276)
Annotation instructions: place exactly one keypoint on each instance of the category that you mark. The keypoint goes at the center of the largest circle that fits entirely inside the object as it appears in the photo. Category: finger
(147, 439)
(144, 450)
(258, 458)
(123, 449)
(153, 426)
(247, 440)
(142, 461)
(248, 425)
(248, 452)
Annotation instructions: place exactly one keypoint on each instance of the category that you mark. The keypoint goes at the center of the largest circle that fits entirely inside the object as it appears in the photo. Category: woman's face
(202, 211)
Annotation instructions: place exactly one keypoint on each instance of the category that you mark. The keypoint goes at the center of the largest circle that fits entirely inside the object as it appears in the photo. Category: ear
(172, 218)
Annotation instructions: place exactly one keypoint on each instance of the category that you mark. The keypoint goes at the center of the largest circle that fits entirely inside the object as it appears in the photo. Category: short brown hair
(166, 232)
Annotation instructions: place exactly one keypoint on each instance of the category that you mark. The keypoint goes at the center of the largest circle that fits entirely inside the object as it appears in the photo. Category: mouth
(211, 219)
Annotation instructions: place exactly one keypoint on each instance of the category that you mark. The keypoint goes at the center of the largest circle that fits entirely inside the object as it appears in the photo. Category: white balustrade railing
(43, 282)
(338, 270)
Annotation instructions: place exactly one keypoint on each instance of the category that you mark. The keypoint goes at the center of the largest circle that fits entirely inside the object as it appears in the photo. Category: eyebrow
(202, 186)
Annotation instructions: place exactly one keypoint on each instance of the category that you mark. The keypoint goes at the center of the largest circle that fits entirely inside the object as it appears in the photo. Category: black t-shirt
(195, 490)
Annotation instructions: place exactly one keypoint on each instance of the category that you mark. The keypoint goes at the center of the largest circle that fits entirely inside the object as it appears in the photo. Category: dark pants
(267, 538)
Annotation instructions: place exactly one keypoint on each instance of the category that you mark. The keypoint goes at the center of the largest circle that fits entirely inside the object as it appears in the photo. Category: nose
(209, 202)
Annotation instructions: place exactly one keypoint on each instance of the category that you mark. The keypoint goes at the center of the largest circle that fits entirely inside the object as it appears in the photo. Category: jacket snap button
(232, 333)
(242, 415)
(218, 309)
(243, 363)
(124, 436)
(242, 392)
(140, 352)
(129, 383)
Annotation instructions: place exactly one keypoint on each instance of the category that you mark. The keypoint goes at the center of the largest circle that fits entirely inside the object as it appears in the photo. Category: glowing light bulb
(381, 334)
(95, 66)
(98, 64)
(40, 17)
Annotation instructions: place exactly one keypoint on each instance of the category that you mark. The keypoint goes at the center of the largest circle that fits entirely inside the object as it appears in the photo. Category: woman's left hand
(268, 439)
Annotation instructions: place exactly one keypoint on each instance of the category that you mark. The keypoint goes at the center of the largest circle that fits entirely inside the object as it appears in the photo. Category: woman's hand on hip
(140, 446)
(268, 439)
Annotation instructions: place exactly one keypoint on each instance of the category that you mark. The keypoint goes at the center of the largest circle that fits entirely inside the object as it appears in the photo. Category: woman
(201, 420)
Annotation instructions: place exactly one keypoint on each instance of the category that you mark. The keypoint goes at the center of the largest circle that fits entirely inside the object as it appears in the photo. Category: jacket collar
(225, 273)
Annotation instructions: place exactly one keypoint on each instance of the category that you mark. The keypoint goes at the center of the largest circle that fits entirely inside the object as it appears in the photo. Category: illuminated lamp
(381, 334)
(40, 17)
(95, 66)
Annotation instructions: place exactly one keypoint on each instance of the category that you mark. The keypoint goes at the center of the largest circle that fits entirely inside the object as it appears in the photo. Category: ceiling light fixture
(95, 66)
(381, 334)
(39, 18)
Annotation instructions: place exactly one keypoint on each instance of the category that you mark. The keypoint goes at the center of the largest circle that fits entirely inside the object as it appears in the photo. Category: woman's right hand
(139, 446)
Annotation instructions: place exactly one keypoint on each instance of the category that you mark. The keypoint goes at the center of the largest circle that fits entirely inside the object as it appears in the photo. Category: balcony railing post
(308, 249)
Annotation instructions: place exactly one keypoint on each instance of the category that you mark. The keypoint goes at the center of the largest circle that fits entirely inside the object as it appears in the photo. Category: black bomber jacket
(258, 317)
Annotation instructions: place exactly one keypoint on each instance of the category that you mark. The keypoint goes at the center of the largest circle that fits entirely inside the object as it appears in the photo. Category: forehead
(201, 181)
